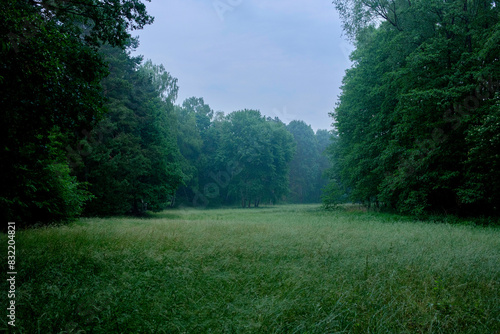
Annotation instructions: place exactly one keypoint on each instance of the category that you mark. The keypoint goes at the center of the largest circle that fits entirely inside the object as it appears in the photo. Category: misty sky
(285, 58)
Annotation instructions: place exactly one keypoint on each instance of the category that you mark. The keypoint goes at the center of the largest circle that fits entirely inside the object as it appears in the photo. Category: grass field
(285, 269)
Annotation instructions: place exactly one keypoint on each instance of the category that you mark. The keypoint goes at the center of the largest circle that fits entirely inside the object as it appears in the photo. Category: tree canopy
(50, 81)
(132, 159)
(416, 113)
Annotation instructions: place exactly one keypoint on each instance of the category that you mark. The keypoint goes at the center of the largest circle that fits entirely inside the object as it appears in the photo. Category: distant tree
(324, 140)
(194, 120)
(304, 167)
(259, 152)
(283, 149)
(335, 192)
(203, 113)
(164, 84)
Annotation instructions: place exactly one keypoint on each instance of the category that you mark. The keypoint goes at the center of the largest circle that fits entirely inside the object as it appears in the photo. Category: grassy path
(287, 269)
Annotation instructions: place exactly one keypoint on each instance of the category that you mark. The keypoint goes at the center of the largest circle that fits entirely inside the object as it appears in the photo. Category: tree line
(247, 158)
(88, 129)
(418, 120)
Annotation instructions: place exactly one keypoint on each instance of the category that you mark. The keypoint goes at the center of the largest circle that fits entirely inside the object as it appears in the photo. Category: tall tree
(418, 105)
(203, 113)
(324, 140)
(283, 150)
(308, 164)
(50, 82)
(132, 164)
(259, 152)
(194, 119)
(304, 166)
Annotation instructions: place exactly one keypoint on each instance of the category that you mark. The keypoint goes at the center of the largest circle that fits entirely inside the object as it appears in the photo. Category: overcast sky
(285, 58)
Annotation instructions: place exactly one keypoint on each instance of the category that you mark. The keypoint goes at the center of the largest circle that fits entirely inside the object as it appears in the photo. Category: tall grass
(287, 269)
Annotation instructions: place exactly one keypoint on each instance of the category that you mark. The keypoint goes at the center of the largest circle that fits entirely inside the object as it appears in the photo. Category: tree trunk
(172, 202)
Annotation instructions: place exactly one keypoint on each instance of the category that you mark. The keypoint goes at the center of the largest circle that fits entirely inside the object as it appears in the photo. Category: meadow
(283, 269)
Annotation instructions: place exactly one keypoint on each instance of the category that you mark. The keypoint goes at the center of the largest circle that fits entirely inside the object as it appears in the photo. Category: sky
(285, 58)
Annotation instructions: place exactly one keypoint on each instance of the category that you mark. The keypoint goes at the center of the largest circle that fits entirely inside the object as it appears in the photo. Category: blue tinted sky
(285, 58)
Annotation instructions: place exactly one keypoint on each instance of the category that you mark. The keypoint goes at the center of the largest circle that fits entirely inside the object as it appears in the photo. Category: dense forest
(418, 120)
(88, 129)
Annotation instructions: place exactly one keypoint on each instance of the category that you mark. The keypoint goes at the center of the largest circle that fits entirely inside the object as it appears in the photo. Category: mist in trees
(309, 163)
(419, 111)
(244, 158)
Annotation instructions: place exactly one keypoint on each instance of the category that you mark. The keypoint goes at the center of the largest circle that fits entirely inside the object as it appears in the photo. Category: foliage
(332, 195)
(240, 157)
(416, 114)
(132, 161)
(50, 79)
(194, 119)
(259, 152)
(308, 163)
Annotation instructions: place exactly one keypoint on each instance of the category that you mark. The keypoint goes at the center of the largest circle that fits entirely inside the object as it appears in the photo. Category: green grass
(286, 269)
